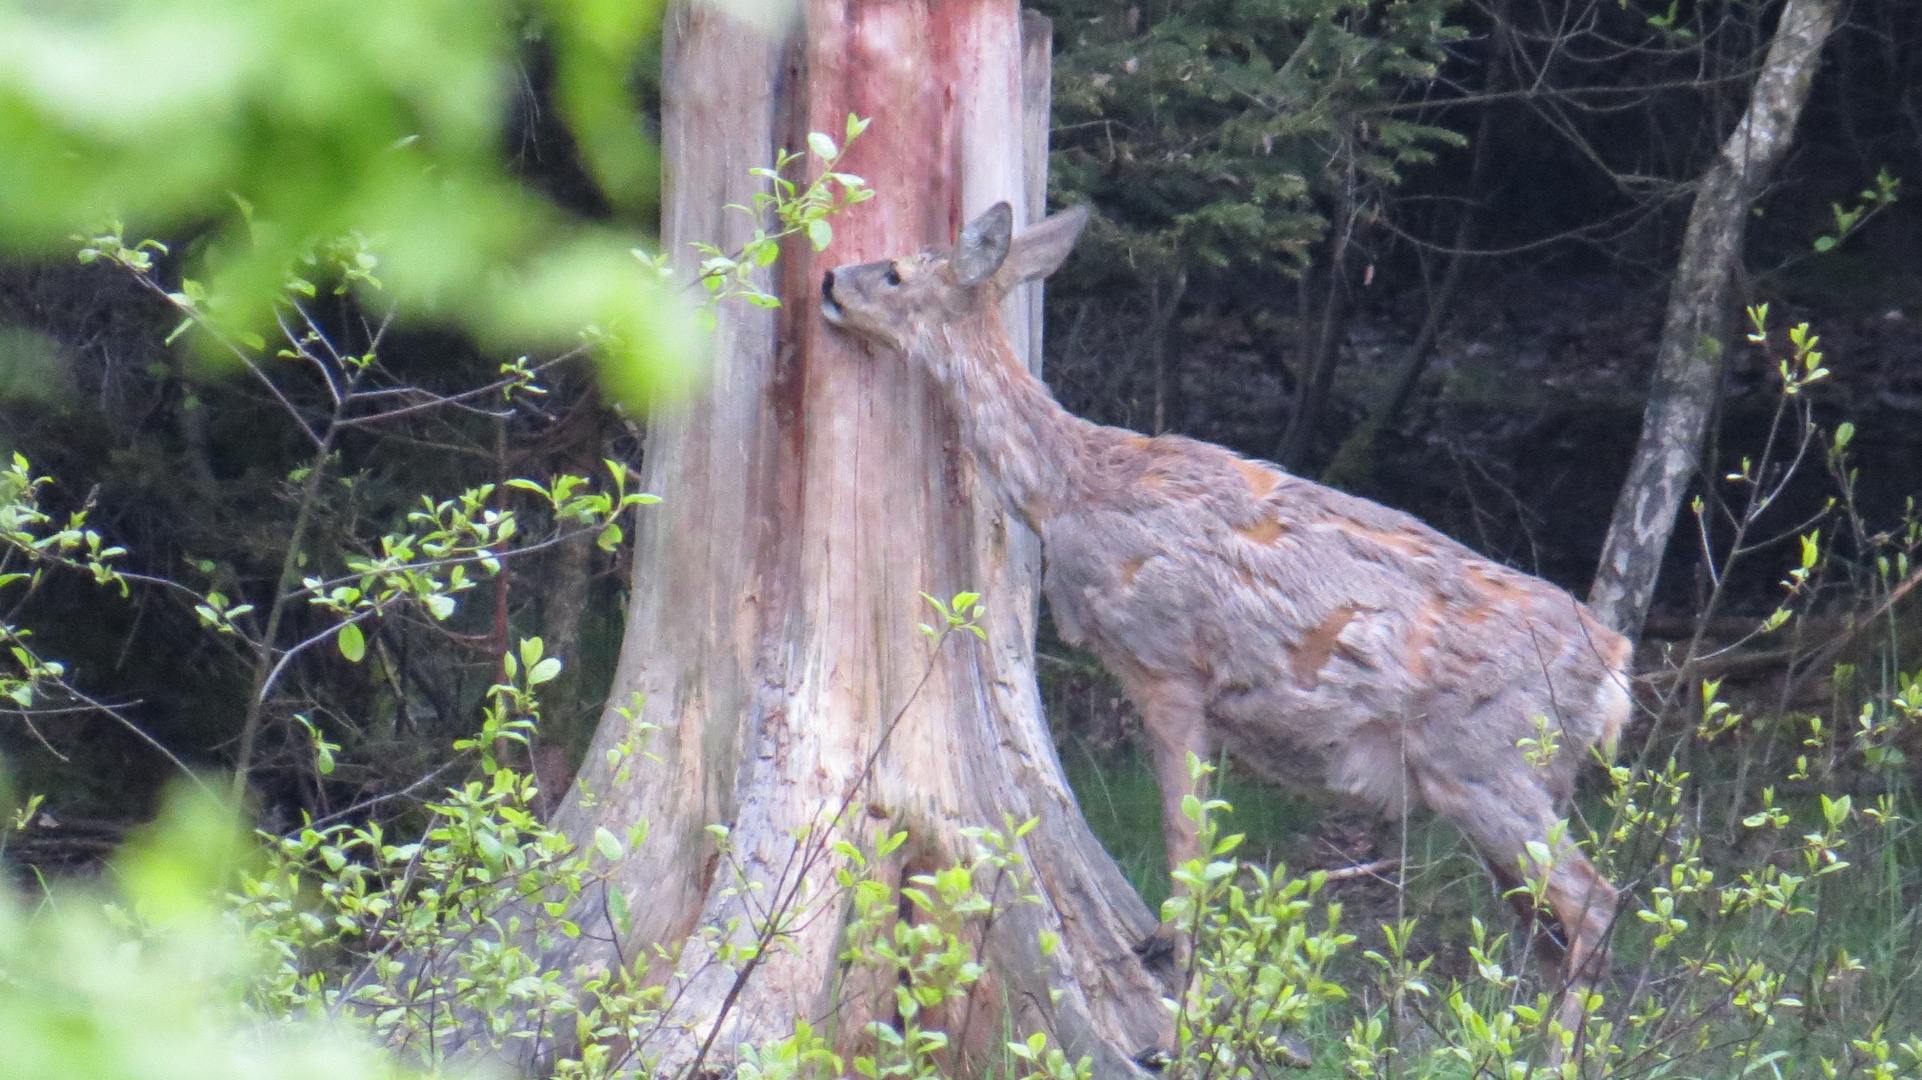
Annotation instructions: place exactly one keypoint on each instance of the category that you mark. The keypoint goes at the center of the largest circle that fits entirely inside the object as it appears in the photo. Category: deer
(1322, 640)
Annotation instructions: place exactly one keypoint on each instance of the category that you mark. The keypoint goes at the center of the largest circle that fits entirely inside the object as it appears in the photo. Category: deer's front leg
(1171, 711)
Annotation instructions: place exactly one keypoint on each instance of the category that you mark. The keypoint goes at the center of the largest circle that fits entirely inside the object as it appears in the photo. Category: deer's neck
(1022, 437)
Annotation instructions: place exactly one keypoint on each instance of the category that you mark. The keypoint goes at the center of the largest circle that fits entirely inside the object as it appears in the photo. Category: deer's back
(1322, 629)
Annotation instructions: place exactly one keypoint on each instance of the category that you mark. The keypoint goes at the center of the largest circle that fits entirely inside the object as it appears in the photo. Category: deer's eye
(893, 275)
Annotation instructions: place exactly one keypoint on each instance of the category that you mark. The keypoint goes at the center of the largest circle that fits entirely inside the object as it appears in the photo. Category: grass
(1122, 803)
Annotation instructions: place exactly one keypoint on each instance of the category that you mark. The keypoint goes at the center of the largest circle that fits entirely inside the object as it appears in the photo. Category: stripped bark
(810, 492)
(1688, 360)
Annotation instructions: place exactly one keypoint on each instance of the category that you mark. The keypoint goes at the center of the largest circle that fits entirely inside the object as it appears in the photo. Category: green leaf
(491, 849)
(607, 844)
(820, 234)
(617, 907)
(822, 145)
(353, 644)
(545, 671)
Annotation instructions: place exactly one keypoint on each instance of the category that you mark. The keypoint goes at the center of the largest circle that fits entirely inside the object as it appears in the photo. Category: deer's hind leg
(1173, 715)
(1501, 818)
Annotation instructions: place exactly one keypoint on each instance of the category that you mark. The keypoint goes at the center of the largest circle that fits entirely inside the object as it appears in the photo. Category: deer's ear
(983, 245)
(1040, 251)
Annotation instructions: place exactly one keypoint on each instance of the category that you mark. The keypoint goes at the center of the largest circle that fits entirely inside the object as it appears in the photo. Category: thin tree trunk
(1037, 115)
(1318, 374)
(1688, 359)
(1354, 461)
(1160, 346)
(565, 716)
(1123, 384)
(569, 715)
(810, 493)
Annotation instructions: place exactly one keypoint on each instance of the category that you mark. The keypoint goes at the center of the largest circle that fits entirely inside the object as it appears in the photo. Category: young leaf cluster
(794, 209)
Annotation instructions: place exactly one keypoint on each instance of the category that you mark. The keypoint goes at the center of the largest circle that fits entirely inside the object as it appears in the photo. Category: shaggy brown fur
(1320, 638)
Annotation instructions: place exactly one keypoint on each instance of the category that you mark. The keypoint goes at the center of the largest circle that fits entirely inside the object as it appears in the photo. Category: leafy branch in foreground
(330, 380)
(795, 209)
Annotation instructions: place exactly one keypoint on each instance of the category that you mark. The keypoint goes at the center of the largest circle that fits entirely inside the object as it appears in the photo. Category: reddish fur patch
(1405, 543)
(1129, 569)
(1421, 635)
(1319, 644)
(1261, 480)
(1265, 531)
(1500, 587)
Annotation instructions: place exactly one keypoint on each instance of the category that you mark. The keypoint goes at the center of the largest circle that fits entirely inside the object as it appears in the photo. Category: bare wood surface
(810, 493)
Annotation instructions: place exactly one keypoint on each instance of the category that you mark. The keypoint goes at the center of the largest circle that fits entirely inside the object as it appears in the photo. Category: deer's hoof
(1165, 953)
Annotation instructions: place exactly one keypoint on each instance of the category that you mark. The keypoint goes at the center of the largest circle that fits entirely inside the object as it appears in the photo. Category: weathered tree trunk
(1688, 361)
(810, 492)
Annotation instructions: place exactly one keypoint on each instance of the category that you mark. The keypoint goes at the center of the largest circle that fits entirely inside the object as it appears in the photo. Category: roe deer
(1316, 636)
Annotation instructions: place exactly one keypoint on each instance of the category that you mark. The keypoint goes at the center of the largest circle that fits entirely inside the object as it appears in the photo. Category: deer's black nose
(830, 307)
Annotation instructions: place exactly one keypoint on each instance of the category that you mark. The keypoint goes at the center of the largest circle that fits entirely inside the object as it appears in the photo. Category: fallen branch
(1367, 869)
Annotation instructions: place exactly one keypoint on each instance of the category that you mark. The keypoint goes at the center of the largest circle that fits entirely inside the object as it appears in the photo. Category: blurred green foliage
(265, 131)
(146, 981)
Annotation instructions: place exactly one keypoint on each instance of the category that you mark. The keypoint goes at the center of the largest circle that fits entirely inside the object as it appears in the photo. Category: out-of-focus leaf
(146, 984)
(287, 125)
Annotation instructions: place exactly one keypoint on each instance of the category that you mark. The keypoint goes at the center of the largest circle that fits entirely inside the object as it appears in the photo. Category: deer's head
(894, 301)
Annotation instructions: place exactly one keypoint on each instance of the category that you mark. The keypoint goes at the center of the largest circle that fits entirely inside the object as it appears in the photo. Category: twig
(1367, 869)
